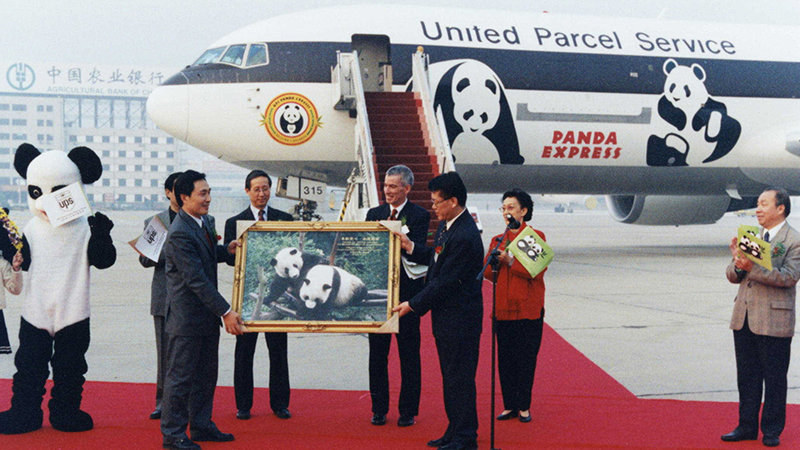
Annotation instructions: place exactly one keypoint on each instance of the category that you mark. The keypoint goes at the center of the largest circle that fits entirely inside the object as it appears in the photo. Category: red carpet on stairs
(576, 405)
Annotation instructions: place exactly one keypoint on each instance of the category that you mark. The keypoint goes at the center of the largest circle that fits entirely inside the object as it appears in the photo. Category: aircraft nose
(168, 107)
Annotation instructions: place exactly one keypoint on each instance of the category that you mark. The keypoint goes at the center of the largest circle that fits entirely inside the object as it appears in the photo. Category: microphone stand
(495, 263)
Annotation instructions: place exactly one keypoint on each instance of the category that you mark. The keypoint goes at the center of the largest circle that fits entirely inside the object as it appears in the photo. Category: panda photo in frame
(712, 134)
(54, 326)
(476, 113)
(328, 287)
(291, 266)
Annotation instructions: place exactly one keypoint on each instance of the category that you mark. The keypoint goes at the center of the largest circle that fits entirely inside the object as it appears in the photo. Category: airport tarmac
(649, 305)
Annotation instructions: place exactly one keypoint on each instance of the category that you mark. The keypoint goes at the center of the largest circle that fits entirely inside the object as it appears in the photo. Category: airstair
(391, 128)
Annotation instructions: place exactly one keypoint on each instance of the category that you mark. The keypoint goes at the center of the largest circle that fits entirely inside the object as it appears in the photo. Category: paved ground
(650, 305)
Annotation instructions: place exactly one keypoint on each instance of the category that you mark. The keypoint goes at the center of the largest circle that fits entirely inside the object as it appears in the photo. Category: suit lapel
(778, 243)
(205, 235)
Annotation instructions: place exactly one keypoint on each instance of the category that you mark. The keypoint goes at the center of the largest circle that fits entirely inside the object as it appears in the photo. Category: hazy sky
(173, 33)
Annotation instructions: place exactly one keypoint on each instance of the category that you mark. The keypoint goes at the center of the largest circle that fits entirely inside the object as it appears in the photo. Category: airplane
(675, 122)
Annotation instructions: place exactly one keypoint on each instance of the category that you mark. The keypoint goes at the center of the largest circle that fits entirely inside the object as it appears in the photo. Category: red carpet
(576, 405)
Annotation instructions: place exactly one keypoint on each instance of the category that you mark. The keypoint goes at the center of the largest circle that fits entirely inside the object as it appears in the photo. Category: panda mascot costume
(54, 327)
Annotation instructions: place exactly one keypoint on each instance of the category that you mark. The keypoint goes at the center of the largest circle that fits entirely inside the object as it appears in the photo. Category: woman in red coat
(519, 313)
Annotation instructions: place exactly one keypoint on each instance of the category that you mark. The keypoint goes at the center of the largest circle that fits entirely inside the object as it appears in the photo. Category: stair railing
(434, 122)
(365, 182)
(344, 214)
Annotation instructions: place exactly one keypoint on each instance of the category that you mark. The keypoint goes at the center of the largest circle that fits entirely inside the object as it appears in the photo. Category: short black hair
(169, 184)
(449, 185)
(781, 198)
(255, 174)
(524, 200)
(184, 185)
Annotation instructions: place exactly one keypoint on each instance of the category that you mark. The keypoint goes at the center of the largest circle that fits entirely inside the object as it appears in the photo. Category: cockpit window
(257, 55)
(234, 55)
(210, 56)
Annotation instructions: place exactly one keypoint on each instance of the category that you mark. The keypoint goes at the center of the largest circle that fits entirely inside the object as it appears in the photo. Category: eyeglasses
(436, 204)
(507, 208)
(260, 190)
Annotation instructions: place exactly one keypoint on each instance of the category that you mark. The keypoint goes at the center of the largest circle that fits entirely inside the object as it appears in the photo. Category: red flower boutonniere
(778, 250)
(439, 249)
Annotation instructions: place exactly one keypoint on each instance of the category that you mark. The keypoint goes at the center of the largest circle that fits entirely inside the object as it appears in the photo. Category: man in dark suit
(257, 185)
(158, 291)
(453, 295)
(194, 308)
(763, 321)
(416, 219)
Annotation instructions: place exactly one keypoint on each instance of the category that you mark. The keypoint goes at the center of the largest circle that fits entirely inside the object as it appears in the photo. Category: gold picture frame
(349, 268)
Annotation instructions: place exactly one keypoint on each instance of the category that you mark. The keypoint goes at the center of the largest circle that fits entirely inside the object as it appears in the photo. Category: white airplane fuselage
(551, 104)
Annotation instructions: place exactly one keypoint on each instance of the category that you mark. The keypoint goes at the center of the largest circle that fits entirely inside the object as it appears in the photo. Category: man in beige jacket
(763, 321)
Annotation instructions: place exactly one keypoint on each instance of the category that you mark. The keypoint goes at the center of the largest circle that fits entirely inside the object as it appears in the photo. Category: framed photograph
(328, 277)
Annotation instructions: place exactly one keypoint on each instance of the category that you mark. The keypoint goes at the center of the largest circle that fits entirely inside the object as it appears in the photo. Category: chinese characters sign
(80, 79)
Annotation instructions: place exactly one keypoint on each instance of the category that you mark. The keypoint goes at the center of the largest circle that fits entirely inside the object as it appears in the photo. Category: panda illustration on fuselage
(291, 119)
(712, 134)
(326, 287)
(291, 266)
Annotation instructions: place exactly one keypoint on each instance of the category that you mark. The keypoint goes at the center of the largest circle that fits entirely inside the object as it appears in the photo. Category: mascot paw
(100, 223)
(15, 421)
(71, 421)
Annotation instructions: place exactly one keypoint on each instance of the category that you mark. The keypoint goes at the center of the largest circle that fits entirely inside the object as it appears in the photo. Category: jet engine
(667, 210)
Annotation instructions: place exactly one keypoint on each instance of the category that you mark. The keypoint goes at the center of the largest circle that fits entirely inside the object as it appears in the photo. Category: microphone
(513, 223)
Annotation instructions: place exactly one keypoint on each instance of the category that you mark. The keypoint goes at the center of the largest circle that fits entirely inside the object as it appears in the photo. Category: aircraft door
(375, 59)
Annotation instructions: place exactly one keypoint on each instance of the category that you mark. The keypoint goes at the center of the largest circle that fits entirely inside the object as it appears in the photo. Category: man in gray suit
(158, 291)
(194, 308)
(763, 321)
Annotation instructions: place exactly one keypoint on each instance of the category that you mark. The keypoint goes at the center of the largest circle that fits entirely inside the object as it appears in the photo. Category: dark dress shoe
(211, 436)
(508, 415)
(378, 419)
(442, 441)
(283, 413)
(155, 415)
(243, 414)
(740, 435)
(406, 421)
(771, 441)
(183, 444)
(525, 419)
(460, 446)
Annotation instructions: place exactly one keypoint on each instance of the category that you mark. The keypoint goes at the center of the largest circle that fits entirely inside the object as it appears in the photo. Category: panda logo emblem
(750, 247)
(698, 128)
(531, 248)
(291, 119)
(476, 113)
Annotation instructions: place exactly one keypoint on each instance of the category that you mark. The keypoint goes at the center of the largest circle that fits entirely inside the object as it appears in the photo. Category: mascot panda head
(288, 263)
(50, 171)
(685, 86)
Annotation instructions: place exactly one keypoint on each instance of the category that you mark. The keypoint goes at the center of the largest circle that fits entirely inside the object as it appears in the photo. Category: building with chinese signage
(59, 106)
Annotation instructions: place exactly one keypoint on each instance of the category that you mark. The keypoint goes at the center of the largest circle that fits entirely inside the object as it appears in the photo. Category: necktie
(394, 215)
(261, 215)
(766, 236)
(208, 235)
